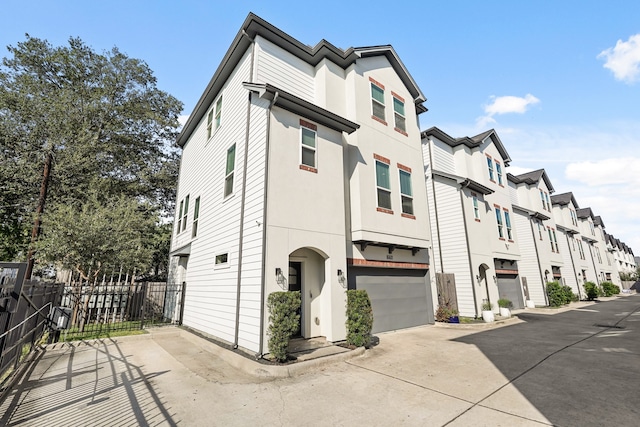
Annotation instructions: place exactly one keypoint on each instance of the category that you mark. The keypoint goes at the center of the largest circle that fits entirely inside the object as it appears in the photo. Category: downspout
(435, 209)
(263, 283)
(573, 265)
(595, 271)
(242, 206)
(466, 236)
(535, 244)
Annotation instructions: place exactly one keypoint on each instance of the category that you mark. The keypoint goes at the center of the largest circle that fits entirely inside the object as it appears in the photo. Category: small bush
(505, 303)
(487, 306)
(444, 313)
(284, 320)
(592, 291)
(609, 289)
(359, 318)
(556, 294)
(569, 296)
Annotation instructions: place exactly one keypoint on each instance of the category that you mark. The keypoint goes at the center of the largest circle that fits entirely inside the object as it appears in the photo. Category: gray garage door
(399, 298)
(509, 287)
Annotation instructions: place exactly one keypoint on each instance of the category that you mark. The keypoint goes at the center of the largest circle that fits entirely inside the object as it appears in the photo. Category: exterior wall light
(280, 277)
(342, 279)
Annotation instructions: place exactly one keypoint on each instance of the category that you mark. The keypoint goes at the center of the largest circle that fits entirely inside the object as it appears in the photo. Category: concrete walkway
(576, 366)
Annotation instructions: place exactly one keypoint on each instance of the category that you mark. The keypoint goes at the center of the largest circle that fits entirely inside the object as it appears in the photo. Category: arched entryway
(307, 274)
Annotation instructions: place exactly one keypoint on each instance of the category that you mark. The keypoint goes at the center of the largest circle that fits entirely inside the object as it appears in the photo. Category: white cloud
(623, 59)
(620, 171)
(505, 105)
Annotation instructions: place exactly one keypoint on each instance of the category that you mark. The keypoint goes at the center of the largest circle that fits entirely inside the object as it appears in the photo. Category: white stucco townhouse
(475, 242)
(301, 170)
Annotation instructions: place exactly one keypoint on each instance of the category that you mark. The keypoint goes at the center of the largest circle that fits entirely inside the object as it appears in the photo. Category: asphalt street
(576, 366)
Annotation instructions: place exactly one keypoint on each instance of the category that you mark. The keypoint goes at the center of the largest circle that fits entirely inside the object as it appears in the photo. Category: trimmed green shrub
(284, 320)
(569, 296)
(359, 318)
(505, 303)
(556, 294)
(592, 291)
(487, 306)
(609, 289)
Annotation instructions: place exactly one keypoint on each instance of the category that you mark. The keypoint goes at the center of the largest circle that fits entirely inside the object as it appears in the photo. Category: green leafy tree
(98, 236)
(73, 121)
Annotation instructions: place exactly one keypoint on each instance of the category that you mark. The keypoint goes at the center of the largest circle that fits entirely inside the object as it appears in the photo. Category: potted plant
(453, 316)
(505, 307)
(447, 314)
(487, 312)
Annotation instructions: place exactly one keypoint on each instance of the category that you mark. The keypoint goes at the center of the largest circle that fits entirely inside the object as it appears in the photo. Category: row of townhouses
(305, 169)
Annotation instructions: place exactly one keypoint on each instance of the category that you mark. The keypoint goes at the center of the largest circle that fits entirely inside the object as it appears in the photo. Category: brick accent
(308, 168)
(382, 159)
(401, 131)
(378, 119)
(404, 168)
(385, 210)
(387, 264)
(395, 95)
(404, 215)
(308, 125)
(505, 271)
(377, 83)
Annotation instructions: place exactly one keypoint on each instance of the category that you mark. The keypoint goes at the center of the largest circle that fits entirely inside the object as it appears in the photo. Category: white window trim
(303, 146)
(233, 171)
(499, 172)
(409, 196)
(222, 265)
(404, 117)
(476, 207)
(388, 190)
(491, 169)
(507, 224)
(384, 109)
(499, 221)
(185, 213)
(196, 217)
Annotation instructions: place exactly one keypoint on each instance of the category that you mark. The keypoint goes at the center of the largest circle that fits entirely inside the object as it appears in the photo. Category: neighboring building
(301, 170)
(542, 261)
(475, 245)
(571, 246)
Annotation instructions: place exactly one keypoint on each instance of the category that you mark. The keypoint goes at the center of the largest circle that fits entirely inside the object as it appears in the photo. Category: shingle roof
(532, 178)
(598, 221)
(471, 142)
(585, 213)
(564, 199)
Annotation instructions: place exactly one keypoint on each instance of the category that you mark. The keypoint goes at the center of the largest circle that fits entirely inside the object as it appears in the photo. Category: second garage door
(399, 298)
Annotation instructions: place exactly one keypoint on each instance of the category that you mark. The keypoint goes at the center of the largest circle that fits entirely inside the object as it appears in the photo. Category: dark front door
(295, 284)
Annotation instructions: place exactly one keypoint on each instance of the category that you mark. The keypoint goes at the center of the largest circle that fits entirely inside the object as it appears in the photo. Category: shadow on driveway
(66, 381)
(579, 367)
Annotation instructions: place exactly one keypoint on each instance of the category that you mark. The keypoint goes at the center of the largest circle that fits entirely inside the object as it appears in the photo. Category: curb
(261, 370)
(498, 323)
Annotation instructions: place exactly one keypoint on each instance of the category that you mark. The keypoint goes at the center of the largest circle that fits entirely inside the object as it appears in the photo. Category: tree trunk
(35, 232)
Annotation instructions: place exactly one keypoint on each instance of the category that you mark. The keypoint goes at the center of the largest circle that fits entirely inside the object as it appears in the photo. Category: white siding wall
(454, 245)
(250, 310)
(442, 157)
(568, 269)
(283, 70)
(210, 302)
(528, 265)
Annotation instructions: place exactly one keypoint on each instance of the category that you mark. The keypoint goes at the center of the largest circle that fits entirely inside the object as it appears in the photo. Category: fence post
(144, 299)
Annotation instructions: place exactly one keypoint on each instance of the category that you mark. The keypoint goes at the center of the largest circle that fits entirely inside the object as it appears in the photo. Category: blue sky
(558, 80)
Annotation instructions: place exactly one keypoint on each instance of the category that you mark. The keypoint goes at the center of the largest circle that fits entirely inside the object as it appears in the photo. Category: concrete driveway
(551, 367)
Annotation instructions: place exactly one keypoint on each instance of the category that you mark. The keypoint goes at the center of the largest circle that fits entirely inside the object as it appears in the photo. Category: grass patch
(102, 330)
(470, 320)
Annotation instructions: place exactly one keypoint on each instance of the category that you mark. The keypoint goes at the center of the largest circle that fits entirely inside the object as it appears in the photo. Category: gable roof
(564, 199)
(598, 221)
(532, 178)
(255, 26)
(471, 142)
(585, 213)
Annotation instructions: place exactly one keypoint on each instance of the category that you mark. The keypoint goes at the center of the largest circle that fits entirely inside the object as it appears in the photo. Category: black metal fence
(76, 311)
(24, 311)
(116, 308)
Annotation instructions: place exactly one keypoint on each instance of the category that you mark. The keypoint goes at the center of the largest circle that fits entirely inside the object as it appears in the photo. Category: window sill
(378, 119)
(385, 210)
(401, 131)
(308, 168)
(501, 238)
(405, 215)
(477, 220)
